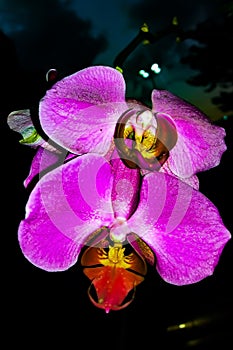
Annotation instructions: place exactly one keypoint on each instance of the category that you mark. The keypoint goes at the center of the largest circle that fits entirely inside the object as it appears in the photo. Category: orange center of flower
(113, 274)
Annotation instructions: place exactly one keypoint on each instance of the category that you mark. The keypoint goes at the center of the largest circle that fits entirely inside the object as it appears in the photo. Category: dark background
(44, 309)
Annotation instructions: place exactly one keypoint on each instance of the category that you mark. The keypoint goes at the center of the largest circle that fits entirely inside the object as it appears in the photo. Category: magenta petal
(126, 188)
(182, 227)
(80, 111)
(200, 144)
(45, 161)
(42, 160)
(192, 181)
(65, 207)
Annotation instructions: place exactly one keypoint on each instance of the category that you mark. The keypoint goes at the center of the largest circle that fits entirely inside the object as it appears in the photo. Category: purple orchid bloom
(80, 112)
(128, 180)
(91, 202)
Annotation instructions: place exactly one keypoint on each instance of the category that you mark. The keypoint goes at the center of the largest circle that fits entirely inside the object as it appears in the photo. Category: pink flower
(91, 202)
(124, 192)
(80, 112)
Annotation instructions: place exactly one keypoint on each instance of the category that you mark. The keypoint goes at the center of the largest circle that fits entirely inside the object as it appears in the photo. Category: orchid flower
(79, 113)
(97, 208)
(126, 192)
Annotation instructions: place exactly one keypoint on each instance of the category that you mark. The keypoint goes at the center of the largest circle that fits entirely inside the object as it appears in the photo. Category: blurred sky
(57, 32)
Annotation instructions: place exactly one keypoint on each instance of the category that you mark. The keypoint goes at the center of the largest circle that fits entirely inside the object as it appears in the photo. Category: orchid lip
(151, 155)
(114, 275)
(108, 306)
